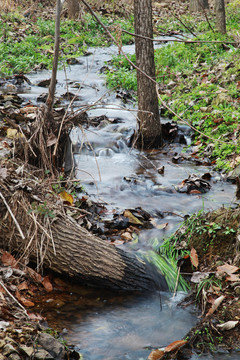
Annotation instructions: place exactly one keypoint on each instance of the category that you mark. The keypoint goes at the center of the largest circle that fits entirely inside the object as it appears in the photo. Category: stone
(53, 346)
(8, 349)
(42, 354)
(14, 356)
(27, 350)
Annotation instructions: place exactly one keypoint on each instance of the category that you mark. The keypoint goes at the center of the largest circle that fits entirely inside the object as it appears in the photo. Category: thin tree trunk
(149, 131)
(73, 9)
(52, 87)
(198, 5)
(220, 16)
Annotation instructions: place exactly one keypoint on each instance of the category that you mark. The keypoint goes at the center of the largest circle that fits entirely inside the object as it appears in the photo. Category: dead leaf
(51, 140)
(156, 355)
(233, 277)
(14, 134)
(23, 300)
(8, 260)
(227, 325)
(47, 284)
(158, 226)
(3, 173)
(194, 257)
(36, 317)
(34, 275)
(226, 268)
(216, 304)
(23, 286)
(64, 195)
(127, 236)
(199, 276)
(133, 219)
(175, 345)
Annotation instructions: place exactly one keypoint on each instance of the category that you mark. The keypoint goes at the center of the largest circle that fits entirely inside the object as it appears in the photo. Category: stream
(102, 324)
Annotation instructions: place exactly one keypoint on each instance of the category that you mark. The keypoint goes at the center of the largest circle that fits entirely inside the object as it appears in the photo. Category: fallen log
(65, 247)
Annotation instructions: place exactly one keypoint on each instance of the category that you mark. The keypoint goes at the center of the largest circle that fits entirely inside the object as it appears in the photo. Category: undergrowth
(201, 83)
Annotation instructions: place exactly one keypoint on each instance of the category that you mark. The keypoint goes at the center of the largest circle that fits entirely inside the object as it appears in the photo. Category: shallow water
(110, 326)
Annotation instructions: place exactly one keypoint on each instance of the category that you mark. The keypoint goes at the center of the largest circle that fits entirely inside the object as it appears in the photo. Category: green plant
(42, 209)
(206, 284)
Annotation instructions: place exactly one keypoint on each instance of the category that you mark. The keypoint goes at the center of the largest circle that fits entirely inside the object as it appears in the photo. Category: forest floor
(211, 239)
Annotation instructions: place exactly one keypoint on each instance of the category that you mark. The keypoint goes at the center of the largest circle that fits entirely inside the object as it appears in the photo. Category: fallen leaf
(226, 268)
(194, 192)
(233, 277)
(13, 134)
(215, 305)
(175, 345)
(23, 300)
(227, 325)
(8, 260)
(3, 173)
(23, 286)
(34, 275)
(133, 219)
(64, 195)
(47, 284)
(126, 236)
(51, 140)
(198, 276)
(194, 257)
(36, 317)
(156, 355)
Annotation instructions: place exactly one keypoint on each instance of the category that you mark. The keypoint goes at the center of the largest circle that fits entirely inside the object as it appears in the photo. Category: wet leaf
(127, 236)
(175, 345)
(216, 304)
(36, 317)
(23, 286)
(133, 219)
(66, 197)
(34, 275)
(23, 300)
(194, 257)
(47, 284)
(228, 325)
(156, 355)
(199, 276)
(8, 260)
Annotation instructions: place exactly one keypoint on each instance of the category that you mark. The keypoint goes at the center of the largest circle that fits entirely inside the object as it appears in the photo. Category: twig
(20, 305)
(13, 217)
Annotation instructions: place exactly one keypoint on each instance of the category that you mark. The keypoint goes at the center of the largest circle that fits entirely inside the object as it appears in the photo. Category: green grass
(27, 43)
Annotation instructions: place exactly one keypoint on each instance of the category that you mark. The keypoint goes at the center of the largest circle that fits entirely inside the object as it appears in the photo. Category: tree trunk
(80, 255)
(198, 5)
(149, 126)
(220, 16)
(73, 9)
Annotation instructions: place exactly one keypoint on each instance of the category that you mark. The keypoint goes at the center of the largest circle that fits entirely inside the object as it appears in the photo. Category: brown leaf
(23, 300)
(194, 191)
(47, 284)
(233, 277)
(156, 355)
(34, 275)
(51, 140)
(23, 286)
(216, 304)
(175, 345)
(36, 317)
(8, 260)
(194, 257)
(133, 219)
(226, 268)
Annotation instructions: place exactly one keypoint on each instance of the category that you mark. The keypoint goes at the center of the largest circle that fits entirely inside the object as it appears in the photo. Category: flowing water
(101, 324)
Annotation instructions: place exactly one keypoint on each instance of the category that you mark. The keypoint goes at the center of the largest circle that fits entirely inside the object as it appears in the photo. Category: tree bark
(82, 256)
(220, 16)
(149, 126)
(73, 9)
(198, 5)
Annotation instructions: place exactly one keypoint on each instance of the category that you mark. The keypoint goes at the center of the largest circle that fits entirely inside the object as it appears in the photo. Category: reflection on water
(106, 326)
